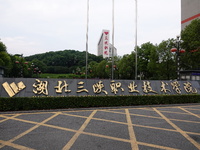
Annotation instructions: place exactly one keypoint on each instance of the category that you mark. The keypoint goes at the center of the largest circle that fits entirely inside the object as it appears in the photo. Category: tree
(38, 64)
(5, 60)
(147, 59)
(153, 63)
(101, 70)
(167, 64)
(3, 47)
(92, 69)
(127, 66)
(19, 66)
(191, 43)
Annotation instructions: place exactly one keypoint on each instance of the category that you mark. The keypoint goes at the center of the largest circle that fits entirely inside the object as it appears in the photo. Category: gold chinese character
(115, 86)
(97, 88)
(163, 87)
(188, 88)
(40, 87)
(176, 87)
(59, 88)
(132, 88)
(81, 87)
(147, 87)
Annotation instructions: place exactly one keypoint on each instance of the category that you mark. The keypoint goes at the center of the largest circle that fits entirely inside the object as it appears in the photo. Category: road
(122, 128)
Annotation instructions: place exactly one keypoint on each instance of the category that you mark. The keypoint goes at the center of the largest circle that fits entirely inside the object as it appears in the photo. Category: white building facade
(190, 10)
(104, 47)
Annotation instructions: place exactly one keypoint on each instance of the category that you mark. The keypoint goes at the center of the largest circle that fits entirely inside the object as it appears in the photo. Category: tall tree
(167, 64)
(147, 60)
(3, 47)
(5, 60)
(153, 62)
(127, 66)
(191, 43)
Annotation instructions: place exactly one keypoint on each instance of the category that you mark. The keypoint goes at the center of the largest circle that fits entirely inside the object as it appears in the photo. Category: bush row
(39, 103)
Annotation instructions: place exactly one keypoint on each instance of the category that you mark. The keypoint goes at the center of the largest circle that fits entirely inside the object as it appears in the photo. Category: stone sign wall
(32, 87)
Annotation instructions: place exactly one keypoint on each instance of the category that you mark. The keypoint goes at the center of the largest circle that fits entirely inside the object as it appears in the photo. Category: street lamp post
(178, 51)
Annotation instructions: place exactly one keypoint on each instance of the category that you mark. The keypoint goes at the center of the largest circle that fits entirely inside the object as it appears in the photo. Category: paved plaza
(124, 128)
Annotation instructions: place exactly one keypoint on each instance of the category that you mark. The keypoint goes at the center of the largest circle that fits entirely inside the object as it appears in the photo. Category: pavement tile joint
(170, 127)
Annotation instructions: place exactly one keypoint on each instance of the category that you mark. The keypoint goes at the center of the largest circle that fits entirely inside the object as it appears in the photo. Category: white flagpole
(86, 67)
(135, 39)
(112, 39)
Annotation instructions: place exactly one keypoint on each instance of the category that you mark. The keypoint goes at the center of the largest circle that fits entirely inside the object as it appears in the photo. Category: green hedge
(38, 103)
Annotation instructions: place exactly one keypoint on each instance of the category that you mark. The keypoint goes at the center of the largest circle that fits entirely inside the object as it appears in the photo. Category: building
(110, 50)
(190, 10)
(190, 75)
(104, 47)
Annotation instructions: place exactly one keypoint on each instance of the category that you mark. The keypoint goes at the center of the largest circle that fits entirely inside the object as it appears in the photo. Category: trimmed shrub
(39, 103)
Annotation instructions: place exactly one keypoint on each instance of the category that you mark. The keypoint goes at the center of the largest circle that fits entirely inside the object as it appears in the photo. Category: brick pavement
(143, 128)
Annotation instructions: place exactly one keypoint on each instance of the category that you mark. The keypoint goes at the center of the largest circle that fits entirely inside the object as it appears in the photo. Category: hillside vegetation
(66, 61)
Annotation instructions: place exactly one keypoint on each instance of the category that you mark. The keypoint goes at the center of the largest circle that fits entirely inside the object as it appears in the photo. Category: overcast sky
(37, 26)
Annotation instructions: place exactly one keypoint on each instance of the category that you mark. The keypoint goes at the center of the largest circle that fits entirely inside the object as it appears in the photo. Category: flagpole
(112, 39)
(135, 39)
(86, 57)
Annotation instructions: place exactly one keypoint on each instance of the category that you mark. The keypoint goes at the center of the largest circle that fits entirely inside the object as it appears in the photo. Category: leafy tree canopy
(191, 43)
(191, 36)
(5, 60)
(2, 47)
(67, 60)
